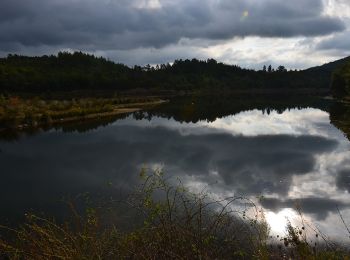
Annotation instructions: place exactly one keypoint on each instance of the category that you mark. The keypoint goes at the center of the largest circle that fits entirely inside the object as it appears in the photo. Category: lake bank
(19, 113)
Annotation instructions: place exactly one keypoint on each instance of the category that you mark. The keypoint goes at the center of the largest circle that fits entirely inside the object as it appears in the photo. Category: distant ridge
(330, 66)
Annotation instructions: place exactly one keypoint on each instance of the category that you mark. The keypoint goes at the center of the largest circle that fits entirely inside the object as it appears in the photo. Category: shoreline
(118, 110)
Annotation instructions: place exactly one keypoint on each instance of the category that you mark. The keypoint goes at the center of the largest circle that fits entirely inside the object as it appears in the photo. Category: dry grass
(177, 224)
(30, 112)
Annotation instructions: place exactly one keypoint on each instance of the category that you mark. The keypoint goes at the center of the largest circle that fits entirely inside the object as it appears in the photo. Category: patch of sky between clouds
(147, 4)
(337, 8)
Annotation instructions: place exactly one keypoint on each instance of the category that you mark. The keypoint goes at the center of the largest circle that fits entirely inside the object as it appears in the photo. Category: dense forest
(341, 81)
(80, 71)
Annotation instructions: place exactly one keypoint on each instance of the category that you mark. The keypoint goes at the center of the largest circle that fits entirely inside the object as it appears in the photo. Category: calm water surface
(292, 157)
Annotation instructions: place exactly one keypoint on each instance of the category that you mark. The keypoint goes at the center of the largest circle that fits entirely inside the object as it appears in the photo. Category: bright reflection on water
(295, 158)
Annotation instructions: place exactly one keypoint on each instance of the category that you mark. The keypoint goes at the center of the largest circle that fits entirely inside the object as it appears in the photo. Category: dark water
(290, 154)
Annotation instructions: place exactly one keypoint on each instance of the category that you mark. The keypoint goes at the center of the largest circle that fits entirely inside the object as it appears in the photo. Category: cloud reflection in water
(296, 156)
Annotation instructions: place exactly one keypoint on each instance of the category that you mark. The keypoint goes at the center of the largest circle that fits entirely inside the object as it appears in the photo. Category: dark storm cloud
(117, 25)
(319, 207)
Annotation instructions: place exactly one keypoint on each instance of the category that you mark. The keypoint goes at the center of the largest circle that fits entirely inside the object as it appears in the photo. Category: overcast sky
(250, 33)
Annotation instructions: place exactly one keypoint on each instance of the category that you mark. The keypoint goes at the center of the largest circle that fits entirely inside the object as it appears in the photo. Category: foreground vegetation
(175, 224)
(16, 112)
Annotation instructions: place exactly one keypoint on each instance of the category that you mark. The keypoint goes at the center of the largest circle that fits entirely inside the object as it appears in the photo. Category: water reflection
(340, 117)
(293, 157)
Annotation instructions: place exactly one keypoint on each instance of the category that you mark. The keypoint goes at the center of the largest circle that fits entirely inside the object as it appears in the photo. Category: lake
(290, 154)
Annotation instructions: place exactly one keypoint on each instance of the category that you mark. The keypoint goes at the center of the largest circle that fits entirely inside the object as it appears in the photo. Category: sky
(249, 33)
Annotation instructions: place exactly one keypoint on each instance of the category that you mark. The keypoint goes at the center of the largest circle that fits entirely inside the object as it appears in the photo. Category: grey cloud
(340, 42)
(118, 25)
(343, 179)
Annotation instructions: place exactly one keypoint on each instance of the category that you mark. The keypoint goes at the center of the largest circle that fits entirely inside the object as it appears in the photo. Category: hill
(329, 67)
(341, 81)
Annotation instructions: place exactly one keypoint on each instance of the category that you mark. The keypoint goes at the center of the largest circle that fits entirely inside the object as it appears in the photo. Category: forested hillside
(63, 72)
(341, 81)
(79, 71)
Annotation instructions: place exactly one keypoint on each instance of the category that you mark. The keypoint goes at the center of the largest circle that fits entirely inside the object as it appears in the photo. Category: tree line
(80, 71)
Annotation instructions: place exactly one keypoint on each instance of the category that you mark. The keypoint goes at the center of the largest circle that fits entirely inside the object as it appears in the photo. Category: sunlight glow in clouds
(278, 221)
(244, 15)
(340, 8)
